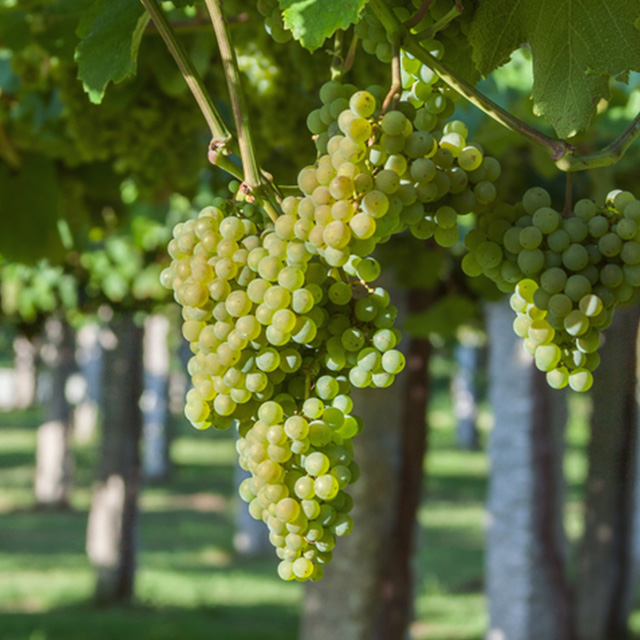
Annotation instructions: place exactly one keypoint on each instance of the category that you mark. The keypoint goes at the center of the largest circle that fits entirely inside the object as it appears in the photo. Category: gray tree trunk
(604, 586)
(112, 526)
(464, 391)
(252, 536)
(89, 359)
(155, 399)
(346, 603)
(52, 485)
(529, 595)
(347, 599)
(25, 356)
(398, 586)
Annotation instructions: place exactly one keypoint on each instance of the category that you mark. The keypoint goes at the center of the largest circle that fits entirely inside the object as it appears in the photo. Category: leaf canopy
(576, 46)
(110, 32)
(313, 21)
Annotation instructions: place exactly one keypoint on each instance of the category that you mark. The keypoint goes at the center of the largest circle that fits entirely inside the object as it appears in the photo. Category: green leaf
(313, 21)
(110, 33)
(576, 45)
(29, 211)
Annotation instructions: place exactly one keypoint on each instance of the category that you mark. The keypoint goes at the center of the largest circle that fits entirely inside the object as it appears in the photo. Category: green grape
(393, 361)
(470, 158)
(553, 280)
(610, 245)
(580, 380)
(577, 287)
(547, 357)
(576, 323)
(585, 209)
(558, 378)
(575, 257)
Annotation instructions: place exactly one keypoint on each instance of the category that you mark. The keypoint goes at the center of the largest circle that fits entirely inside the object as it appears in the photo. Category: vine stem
(393, 96)
(431, 31)
(198, 24)
(568, 196)
(337, 63)
(396, 29)
(219, 131)
(216, 124)
(236, 93)
(419, 15)
(605, 157)
(351, 55)
(562, 153)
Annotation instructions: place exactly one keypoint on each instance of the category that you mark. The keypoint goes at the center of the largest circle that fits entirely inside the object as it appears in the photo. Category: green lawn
(191, 584)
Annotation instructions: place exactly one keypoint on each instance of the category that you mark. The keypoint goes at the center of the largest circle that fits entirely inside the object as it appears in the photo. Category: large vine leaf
(576, 46)
(313, 21)
(30, 210)
(110, 33)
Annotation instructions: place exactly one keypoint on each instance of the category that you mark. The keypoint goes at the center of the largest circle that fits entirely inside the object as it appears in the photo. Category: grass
(191, 584)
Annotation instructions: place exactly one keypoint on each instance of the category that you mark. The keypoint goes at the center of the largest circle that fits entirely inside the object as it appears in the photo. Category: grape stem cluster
(419, 15)
(219, 131)
(454, 12)
(236, 94)
(222, 140)
(562, 153)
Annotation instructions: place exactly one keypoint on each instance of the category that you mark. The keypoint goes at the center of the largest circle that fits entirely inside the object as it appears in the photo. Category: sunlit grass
(191, 583)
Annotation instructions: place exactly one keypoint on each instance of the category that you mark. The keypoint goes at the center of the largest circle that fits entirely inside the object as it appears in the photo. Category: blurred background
(488, 506)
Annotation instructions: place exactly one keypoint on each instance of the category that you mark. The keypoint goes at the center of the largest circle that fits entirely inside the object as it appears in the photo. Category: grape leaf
(575, 44)
(110, 33)
(313, 21)
(29, 210)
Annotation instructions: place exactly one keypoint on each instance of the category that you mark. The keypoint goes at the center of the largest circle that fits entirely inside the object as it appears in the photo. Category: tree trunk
(398, 581)
(111, 534)
(465, 397)
(252, 536)
(25, 372)
(529, 595)
(347, 601)
(605, 564)
(89, 358)
(348, 598)
(53, 450)
(155, 399)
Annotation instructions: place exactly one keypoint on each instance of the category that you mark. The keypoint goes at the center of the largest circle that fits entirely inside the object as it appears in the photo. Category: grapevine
(279, 306)
(279, 284)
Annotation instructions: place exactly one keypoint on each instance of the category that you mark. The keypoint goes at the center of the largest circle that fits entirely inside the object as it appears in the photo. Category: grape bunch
(31, 292)
(567, 275)
(383, 174)
(279, 338)
(273, 22)
(422, 86)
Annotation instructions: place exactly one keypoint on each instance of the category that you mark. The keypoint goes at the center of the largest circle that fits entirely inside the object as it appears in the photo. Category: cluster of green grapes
(422, 86)
(382, 174)
(568, 274)
(279, 338)
(273, 22)
(125, 268)
(32, 291)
